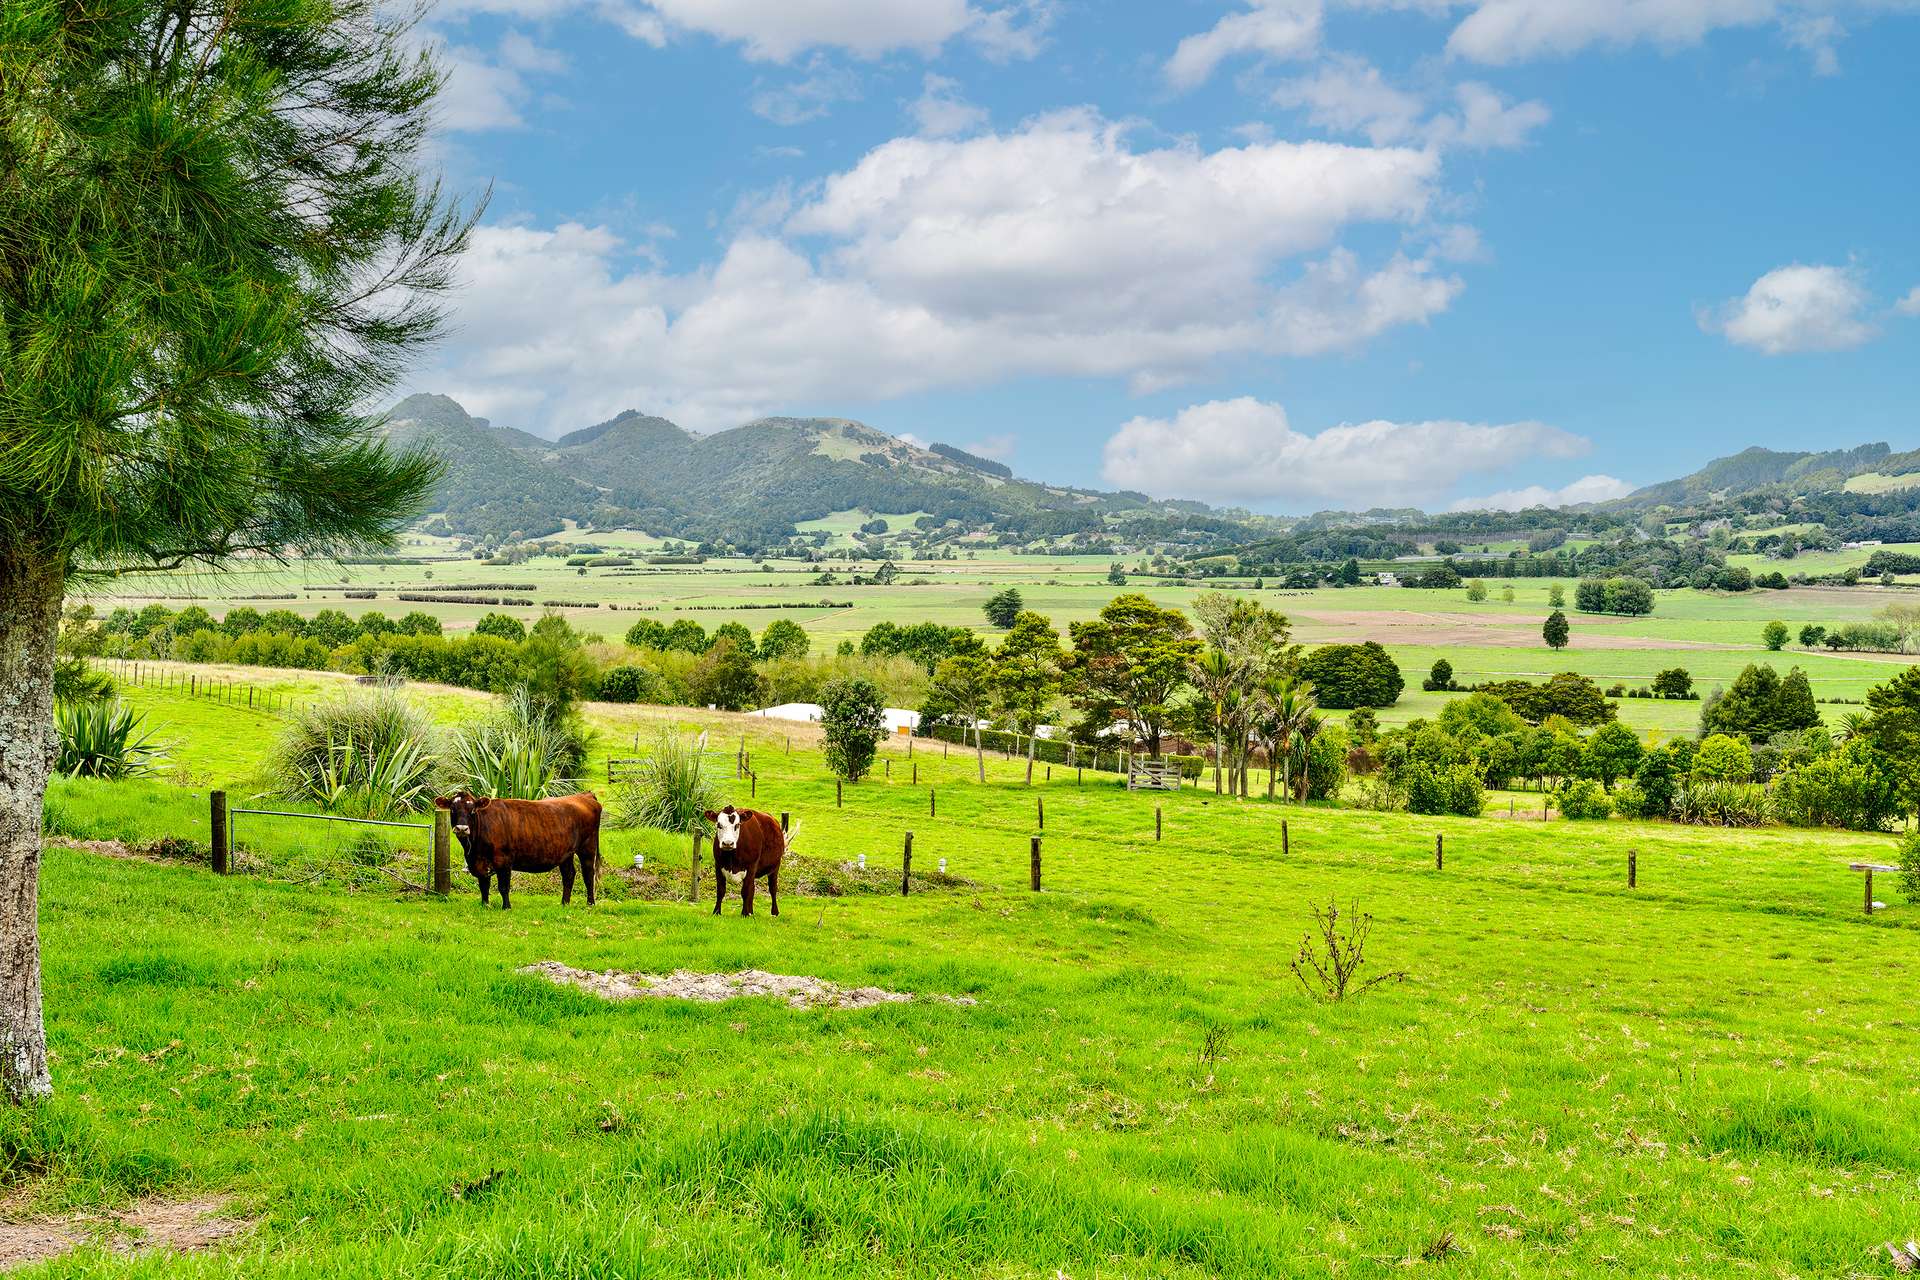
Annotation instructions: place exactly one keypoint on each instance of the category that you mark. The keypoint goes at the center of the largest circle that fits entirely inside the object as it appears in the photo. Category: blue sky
(1291, 255)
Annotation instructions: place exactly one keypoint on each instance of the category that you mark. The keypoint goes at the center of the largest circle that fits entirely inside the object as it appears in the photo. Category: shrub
(1723, 757)
(628, 684)
(526, 749)
(1584, 801)
(76, 680)
(363, 754)
(1715, 802)
(1853, 787)
(1455, 789)
(103, 738)
(1629, 801)
(1910, 865)
(853, 719)
(672, 790)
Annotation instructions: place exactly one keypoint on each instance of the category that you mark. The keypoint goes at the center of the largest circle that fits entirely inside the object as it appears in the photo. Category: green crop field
(1708, 1074)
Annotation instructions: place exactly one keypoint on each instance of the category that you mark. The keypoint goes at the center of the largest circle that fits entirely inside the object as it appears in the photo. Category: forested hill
(748, 486)
(1757, 469)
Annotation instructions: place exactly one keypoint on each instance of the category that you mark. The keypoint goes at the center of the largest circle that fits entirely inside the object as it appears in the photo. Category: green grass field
(1709, 1074)
(1712, 634)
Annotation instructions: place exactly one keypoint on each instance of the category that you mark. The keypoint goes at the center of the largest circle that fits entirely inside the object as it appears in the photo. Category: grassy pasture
(1712, 634)
(1709, 1074)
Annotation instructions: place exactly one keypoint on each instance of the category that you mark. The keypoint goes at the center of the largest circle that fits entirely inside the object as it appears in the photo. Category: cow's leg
(719, 884)
(506, 889)
(746, 892)
(566, 881)
(590, 863)
(485, 881)
(773, 889)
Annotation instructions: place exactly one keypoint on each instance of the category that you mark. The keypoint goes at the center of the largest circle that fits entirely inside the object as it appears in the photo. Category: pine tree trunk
(30, 592)
(1033, 745)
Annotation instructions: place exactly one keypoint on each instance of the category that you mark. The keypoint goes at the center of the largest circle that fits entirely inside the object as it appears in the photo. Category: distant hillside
(1756, 468)
(750, 485)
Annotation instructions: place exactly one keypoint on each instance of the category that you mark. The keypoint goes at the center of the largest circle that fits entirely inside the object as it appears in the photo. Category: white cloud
(1269, 28)
(1245, 450)
(1795, 308)
(1595, 488)
(1055, 249)
(1346, 94)
(940, 111)
(798, 101)
(1909, 305)
(1507, 31)
(776, 30)
(999, 448)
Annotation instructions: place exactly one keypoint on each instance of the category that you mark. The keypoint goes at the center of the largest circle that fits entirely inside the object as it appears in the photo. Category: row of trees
(1141, 671)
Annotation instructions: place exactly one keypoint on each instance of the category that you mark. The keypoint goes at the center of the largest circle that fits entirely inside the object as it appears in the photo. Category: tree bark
(31, 587)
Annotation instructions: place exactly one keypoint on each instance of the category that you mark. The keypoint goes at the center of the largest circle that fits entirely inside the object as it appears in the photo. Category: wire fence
(200, 684)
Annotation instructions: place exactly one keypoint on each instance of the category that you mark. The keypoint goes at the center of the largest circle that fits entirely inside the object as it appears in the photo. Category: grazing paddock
(1686, 1077)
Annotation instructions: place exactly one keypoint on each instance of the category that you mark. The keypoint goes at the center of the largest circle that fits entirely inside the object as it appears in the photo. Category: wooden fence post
(753, 785)
(1035, 864)
(839, 793)
(1283, 837)
(1040, 812)
(221, 848)
(1633, 867)
(932, 810)
(693, 878)
(889, 765)
(1156, 822)
(442, 852)
(1439, 853)
(916, 773)
(1868, 876)
(906, 864)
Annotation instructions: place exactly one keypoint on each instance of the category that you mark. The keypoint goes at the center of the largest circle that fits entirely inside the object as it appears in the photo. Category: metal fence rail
(441, 827)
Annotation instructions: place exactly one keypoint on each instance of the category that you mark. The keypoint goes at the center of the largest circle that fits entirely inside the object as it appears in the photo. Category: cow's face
(464, 809)
(726, 828)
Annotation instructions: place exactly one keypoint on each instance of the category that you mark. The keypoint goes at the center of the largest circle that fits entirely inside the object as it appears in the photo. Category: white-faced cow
(751, 845)
(501, 837)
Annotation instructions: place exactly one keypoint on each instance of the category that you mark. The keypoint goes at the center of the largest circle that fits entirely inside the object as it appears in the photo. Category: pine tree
(215, 245)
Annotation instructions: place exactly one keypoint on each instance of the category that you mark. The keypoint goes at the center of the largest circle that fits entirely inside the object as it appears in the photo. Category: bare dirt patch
(177, 1226)
(798, 990)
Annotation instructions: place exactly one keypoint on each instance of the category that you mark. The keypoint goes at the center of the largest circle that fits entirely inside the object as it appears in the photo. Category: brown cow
(504, 836)
(751, 844)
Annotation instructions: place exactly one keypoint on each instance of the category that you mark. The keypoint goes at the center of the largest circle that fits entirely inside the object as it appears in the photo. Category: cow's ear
(710, 816)
(483, 802)
(441, 802)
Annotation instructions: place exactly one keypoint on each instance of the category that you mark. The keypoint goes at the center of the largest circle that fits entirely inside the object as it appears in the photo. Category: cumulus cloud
(1246, 450)
(1508, 31)
(1909, 305)
(1268, 28)
(1594, 488)
(1056, 249)
(940, 111)
(1346, 94)
(1795, 308)
(487, 91)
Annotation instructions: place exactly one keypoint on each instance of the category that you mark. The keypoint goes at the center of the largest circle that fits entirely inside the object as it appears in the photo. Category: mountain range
(749, 485)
